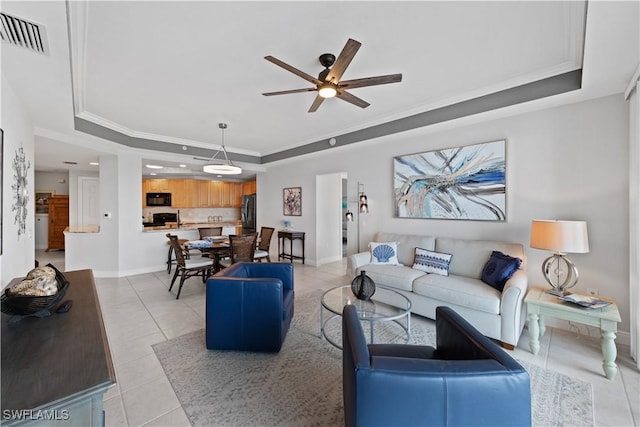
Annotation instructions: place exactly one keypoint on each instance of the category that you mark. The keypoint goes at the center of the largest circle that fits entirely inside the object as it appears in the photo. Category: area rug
(302, 385)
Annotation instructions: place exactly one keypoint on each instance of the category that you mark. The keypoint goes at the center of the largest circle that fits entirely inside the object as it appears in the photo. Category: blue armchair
(249, 306)
(467, 380)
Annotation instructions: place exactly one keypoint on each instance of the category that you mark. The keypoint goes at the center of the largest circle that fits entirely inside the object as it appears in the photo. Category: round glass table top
(396, 305)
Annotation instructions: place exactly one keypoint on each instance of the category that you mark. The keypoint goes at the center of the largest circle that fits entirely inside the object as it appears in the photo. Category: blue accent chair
(249, 306)
(467, 380)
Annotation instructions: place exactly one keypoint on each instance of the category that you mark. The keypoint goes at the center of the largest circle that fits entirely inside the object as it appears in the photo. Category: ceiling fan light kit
(328, 84)
(327, 90)
(226, 168)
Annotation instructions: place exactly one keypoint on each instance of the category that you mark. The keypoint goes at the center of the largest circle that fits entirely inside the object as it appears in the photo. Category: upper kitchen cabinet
(197, 193)
(202, 189)
(236, 194)
(183, 192)
(249, 187)
(158, 186)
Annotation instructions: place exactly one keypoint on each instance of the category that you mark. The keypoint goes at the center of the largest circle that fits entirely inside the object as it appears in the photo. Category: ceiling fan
(328, 83)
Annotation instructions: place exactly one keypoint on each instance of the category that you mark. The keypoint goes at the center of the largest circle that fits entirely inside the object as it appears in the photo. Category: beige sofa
(499, 315)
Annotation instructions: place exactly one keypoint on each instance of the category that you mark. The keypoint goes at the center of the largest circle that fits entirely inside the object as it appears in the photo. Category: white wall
(18, 253)
(569, 162)
(52, 181)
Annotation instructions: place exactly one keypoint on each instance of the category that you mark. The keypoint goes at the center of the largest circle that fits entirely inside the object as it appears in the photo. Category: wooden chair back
(209, 231)
(177, 249)
(243, 247)
(265, 238)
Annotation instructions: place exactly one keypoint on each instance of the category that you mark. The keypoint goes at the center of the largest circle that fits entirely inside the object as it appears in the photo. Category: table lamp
(560, 237)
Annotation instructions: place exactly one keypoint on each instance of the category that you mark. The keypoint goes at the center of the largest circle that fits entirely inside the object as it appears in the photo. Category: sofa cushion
(432, 262)
(384, 253)
(499, 268)
(459, 290)
(407, 244)
(393, 276)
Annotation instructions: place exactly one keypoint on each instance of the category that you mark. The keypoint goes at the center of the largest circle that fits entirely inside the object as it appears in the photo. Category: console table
(56, 369)
(291, 236)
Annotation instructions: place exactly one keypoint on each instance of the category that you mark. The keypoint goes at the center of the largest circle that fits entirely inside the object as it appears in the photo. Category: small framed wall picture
(292, 201)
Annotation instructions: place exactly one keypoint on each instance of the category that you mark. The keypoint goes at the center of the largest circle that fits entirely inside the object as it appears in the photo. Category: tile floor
(138, 312)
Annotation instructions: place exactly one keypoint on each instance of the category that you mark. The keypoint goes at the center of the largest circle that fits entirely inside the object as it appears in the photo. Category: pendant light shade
(217, 166)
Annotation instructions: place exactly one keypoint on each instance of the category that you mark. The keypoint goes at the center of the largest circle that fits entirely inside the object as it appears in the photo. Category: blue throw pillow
(499, 269)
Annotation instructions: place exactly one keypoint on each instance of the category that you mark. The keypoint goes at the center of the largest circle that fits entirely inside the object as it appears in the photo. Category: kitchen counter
(196, 225)
(82, 229)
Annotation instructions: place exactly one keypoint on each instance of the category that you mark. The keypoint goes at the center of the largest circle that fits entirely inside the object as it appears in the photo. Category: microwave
(158, 199)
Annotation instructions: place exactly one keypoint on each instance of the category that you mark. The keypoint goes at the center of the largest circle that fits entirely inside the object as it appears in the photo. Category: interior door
(88, 200)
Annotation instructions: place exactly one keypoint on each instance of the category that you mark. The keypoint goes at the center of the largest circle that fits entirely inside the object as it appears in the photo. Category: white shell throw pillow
(384, 253)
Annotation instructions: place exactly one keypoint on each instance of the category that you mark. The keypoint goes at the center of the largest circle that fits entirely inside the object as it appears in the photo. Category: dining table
(216, 248)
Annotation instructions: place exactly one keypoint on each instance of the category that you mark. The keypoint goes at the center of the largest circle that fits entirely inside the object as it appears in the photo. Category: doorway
(329, 217)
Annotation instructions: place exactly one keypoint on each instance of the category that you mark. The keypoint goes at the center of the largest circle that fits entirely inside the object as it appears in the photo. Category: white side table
(540, 304)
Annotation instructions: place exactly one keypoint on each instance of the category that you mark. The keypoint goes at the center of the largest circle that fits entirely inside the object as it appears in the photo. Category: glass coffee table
(373, 311)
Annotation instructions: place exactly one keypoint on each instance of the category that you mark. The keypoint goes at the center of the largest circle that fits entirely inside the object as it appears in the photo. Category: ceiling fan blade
(316, 104)
(371, 81)
(293, 70)
(346, 96)
(344, 59)
(285, 92)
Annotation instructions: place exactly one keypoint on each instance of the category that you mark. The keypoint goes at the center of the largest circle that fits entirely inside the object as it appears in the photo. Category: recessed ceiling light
(94, 163)
(183, 166)
(154, 166)
(153, 173)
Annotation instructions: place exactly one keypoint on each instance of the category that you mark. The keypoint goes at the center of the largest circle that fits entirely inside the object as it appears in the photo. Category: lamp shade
(560, 236)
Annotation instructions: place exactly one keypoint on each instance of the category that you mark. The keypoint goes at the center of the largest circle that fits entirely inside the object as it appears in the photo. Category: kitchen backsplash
(197, 214)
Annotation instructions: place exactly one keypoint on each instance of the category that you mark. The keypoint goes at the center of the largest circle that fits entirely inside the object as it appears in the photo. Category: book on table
(584, 301)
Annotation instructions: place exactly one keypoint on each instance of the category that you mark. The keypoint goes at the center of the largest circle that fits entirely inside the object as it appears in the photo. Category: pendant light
(227, 168)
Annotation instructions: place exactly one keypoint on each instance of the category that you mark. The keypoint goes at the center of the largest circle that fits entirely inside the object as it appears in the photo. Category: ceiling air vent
(23, 33)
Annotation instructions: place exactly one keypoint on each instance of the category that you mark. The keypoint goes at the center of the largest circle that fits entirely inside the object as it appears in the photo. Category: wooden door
(58, 221)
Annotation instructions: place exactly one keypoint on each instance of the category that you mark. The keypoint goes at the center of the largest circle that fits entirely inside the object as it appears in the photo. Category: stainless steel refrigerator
(248, 214)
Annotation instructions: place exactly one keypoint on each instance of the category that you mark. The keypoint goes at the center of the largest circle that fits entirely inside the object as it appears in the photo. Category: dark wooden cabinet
(58, 221)
(59, 366)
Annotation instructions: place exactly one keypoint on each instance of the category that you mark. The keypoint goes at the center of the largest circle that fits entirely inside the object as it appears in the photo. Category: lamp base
(560, 273)
(557, 292)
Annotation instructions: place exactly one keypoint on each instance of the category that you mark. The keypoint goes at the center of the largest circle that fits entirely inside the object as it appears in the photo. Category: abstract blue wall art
(455, 183)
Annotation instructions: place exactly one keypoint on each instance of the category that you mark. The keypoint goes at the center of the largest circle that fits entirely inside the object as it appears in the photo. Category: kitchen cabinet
(58, 221)
(182, 193)
(202, 194)
(249, 187)
(197, 193)
(236, 194)
(158, 186)
(215, 194)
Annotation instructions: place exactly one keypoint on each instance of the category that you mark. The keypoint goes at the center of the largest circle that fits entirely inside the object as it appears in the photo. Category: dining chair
(262, 251)
(242, 248)
(188, 267)
(170, 255)
(209, 231)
